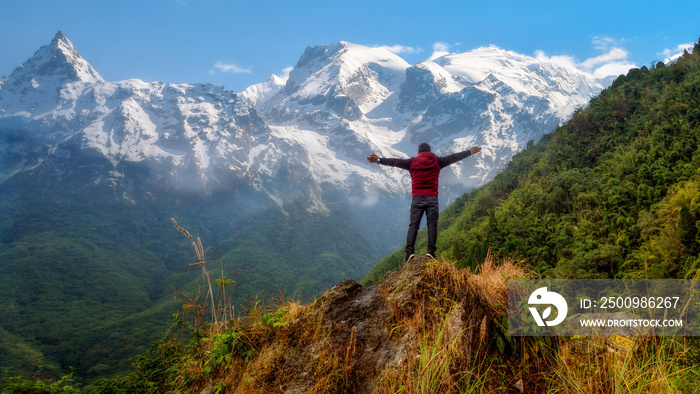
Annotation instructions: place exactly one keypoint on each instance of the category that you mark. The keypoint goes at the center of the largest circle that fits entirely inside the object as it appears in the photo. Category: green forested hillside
(615, 192)
(87, 280)
(72, 272)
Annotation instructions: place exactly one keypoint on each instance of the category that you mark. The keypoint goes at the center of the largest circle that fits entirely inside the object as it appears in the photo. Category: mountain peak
(343, 60)
(44, 77)
(59, 36)
(58, 59)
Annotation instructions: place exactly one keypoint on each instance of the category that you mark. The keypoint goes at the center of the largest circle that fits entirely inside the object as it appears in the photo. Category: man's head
(424, 147)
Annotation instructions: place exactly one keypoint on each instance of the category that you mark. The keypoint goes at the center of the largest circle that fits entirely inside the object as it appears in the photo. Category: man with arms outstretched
(425, 172)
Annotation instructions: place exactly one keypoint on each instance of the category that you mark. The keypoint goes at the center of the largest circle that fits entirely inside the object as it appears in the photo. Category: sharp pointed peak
(61, 42)
(59, 36)
(57, 58)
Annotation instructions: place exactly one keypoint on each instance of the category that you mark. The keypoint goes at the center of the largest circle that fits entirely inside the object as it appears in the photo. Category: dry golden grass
(452, 329)
(587, 365)
(491, 281)
(444, 338)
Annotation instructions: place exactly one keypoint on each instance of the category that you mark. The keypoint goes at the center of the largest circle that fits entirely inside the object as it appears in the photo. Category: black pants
(419, 205)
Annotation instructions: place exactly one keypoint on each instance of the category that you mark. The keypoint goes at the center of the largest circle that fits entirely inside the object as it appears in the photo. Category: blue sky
(239, 43)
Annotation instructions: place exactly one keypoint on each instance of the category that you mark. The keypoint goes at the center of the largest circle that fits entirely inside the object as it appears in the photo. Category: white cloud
(604, 43)
(399, 49)
(230, 67)
(439, 49)
(673, 54)
(614, 69)
(612, 62)
(613, 55)
(563, 60)
(286, 71)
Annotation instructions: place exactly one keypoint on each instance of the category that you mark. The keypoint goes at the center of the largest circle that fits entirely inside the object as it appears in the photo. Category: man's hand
(373, 158)
(475, 150)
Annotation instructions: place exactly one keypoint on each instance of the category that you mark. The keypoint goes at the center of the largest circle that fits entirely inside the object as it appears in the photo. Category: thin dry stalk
(191, 306)
(350, 352)
(187, 233)
(200, 255)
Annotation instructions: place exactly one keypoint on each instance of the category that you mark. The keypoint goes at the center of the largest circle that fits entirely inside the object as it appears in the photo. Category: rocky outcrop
(361, 339)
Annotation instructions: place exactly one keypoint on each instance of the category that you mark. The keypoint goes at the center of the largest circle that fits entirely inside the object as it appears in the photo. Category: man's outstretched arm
(400, 163)
(455, 157)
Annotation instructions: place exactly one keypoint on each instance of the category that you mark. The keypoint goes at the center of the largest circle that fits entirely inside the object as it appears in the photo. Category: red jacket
(425, 170)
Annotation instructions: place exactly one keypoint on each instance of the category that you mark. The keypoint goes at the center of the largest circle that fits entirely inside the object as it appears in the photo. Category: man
(425, 172)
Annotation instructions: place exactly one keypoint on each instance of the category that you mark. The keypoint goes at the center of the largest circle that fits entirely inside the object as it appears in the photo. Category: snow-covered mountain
(287, 138)
(56, 112)
(351, 100)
